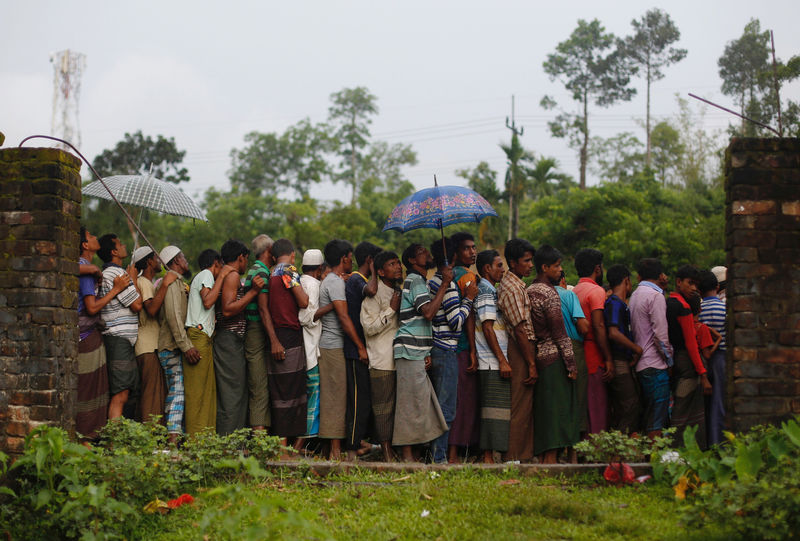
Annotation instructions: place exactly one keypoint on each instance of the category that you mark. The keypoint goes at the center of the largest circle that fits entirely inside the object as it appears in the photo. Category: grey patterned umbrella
(146, 191)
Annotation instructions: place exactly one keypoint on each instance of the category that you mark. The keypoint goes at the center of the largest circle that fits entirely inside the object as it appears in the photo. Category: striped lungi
(332, 393)
(417, 416)
(287, 385)
(384, 390)
(312, 406)
(495, 400)
(92, 406)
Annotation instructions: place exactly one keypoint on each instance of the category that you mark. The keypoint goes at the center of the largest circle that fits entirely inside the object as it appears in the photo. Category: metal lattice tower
(68, 67)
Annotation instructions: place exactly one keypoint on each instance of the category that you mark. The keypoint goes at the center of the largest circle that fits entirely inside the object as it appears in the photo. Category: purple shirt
(649, 326)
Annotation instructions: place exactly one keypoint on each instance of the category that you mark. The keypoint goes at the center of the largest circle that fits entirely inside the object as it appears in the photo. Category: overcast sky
(207, 73)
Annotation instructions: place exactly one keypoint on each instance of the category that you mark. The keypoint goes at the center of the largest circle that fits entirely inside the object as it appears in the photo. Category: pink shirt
(592, 297)
(649, 326)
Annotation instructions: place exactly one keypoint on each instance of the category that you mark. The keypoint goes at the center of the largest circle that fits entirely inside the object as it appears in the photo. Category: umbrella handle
(70, 145)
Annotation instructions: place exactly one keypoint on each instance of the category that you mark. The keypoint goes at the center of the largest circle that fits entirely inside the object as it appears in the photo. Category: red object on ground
(180, 500)
(619, 474)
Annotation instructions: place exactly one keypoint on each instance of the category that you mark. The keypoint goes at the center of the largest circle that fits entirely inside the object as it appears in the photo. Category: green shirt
(260, 269)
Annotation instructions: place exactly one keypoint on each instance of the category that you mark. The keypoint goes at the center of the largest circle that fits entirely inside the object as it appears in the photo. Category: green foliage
(135, 154)
(751, 484)
(614, 446)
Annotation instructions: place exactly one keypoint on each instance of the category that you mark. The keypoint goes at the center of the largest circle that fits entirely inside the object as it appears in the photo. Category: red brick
(753, 207)
(745, 354)
(791, 208)
(16, 428)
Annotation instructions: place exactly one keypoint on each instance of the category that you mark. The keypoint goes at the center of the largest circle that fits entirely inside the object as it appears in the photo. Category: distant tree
(515, 181)
(591, 67)
(350, 116)
(699, 163)
(136, 153)
(667, 151)
(617, 158)
(273, 163)
(650, 49)
(483, 179)
(544, 178)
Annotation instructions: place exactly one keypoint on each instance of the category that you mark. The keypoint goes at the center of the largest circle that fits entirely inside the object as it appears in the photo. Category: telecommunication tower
(67, 70)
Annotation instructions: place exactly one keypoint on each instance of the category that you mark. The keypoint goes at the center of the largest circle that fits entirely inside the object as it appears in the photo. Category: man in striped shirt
(122, 325)
(712, 313)
(448, 324)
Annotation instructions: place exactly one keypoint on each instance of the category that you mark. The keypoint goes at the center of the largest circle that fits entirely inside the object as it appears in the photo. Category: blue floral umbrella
(438, 207)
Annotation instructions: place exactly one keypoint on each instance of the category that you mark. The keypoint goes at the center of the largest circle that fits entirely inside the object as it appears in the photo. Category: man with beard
(555, 415)
(230, 364)
(599, 364)
(516, 307)
(154, 391)
(417, 416)
(464, 429)
(380, 322)
(173, 342)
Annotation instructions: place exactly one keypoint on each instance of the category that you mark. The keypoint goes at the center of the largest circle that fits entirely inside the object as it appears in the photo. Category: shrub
(751, 484)
(613, 446)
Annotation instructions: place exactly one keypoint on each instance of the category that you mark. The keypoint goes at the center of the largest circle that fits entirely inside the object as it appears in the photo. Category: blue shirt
(712, 313)
(617, 314)
(572, 311)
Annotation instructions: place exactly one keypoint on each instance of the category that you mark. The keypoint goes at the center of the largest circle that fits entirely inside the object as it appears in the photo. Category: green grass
(461, 505)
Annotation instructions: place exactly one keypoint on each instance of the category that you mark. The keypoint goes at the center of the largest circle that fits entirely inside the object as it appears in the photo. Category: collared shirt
(380, 324)
(572, 312)
(172, 318)
(712, 313)
(147, 342)
(354, 291)
(592, 297)
(414, 336)
(649, 326)
(552, 342)
(448, 323)
(312, 330)
(515, 305)
(259, 268)
(486, 309)
(617, 314)
(197, 315)
(120, 319)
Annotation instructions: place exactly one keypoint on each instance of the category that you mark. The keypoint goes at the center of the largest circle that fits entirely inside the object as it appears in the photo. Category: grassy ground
(452, 505)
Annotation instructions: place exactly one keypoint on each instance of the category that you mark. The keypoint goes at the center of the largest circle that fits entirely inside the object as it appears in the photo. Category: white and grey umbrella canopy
(147, 192)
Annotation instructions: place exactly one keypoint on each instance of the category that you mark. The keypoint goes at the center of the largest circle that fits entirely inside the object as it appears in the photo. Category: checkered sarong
(171, 362)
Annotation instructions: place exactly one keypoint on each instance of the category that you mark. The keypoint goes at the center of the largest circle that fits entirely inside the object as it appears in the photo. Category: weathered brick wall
(39, 228)
(763, 249)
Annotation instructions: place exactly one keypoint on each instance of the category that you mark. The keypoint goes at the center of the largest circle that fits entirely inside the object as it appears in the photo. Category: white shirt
(312, 330)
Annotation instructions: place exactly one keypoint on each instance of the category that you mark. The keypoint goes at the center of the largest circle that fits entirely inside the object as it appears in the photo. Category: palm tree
(545, 179)
(515, 181)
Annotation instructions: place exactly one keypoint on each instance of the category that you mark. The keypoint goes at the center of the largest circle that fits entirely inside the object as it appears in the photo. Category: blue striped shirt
(413, 338)
(451, 317)
(712, 313)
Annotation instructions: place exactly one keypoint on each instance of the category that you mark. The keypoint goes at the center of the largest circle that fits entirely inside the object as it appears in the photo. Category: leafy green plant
(751, 484)
(613, 446)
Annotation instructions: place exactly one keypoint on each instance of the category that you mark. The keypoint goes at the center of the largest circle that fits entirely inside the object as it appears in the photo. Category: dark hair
(207, 258)
(460, 237)
(232, 249)
(107, 245)
(142, 263)
(694, 303)
(383, 257)
(335, 250)
(281, 247)
(517, 248)
(437, 251)
(364, 250)
(484, 258)
(546, 255)
(408, 253)
(310, 268)
(586, 260)
(687, 271)
(649, 268)
(616, 274)
(83, 236)
(707, 281)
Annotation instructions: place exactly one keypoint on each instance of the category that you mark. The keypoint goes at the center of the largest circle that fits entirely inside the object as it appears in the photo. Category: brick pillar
(763, 248)
(39, 227)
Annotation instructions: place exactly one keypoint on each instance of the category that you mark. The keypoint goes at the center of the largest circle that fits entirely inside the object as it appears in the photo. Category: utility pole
(512, 174)
(68, 67)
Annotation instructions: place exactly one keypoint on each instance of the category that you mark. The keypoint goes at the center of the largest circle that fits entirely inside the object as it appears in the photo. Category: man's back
(648, 310)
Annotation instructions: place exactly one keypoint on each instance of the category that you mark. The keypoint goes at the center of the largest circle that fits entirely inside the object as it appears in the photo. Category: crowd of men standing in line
(461, 361)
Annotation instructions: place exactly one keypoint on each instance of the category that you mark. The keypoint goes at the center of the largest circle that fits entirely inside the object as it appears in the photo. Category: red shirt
(704, 339)
(592, 297)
